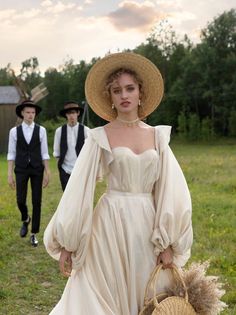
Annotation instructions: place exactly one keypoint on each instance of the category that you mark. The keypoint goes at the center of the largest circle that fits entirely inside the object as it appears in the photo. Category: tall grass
(30, 282)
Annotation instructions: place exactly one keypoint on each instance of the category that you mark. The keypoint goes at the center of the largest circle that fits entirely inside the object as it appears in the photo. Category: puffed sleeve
(173, 223)
(70, 226)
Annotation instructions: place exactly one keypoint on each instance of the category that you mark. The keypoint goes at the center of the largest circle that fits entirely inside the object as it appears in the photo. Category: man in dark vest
(69, 140)
(28, 158)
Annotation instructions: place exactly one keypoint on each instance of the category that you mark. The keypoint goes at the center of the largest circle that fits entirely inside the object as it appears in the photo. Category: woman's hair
(116, 74)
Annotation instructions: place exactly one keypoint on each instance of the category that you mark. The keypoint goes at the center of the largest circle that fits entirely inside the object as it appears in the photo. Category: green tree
(164, 49)
(206, 82)
(58, 89)
(232, 123)
(194, 126)
(206, 132)
(75, 76)
(217, 55)
(30, 73)
(182, 126)
(5, 78)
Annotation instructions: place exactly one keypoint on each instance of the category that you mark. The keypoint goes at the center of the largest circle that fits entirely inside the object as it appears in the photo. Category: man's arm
(56, 143)
(45, 156)
(11, 155)
(10, 175)
(46, 175)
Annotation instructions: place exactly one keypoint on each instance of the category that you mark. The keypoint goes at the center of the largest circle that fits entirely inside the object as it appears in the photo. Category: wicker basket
(161, 304)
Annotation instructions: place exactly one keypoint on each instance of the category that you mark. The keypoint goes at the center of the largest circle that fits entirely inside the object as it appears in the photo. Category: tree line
(200, 80)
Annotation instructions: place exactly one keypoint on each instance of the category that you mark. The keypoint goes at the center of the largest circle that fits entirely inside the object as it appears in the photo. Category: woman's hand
(65, 262)
(166, 258)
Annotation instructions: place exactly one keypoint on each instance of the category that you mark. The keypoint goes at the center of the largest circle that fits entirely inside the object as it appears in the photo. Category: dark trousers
(64, 177)
(36, 178)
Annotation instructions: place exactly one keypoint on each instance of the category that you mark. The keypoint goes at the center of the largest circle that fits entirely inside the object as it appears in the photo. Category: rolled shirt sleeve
(11, 155)
(56, 143)
(44, 143)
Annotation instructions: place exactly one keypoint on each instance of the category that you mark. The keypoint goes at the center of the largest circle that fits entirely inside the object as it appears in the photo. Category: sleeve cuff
(56, 154)
(160, 243)
(11, 157)
(45, 157)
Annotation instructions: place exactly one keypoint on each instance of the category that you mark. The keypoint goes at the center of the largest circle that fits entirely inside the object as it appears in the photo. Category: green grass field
(30, 282)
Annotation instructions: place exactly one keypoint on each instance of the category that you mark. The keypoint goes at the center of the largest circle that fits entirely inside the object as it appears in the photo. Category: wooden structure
(9, 98)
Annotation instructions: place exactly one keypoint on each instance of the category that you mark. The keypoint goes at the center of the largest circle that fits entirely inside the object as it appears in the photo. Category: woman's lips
(126, 103)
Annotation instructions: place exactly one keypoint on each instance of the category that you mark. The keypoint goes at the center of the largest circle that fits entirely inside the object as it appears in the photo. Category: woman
(144, 217)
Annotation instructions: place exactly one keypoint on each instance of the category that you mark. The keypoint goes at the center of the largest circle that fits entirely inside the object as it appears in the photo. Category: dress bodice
(131, 172)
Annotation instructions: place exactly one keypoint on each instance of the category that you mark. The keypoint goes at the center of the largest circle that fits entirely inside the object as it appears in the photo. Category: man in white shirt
(69, 140)
(28, 158)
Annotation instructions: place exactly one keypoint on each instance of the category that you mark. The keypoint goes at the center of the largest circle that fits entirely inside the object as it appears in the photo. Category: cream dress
(146, 208)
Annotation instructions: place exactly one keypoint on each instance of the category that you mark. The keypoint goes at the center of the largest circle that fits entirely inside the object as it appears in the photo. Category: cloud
(53, 37)
(134, 15)
(181, 17)
(79, 8)
(28, 14)
(168, 5)
(6, 14)
(58, 7)
(60, 29)
(46, 3)
(14, 19)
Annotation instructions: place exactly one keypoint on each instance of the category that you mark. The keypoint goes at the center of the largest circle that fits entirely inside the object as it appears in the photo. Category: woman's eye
(130, 88)
(116, 91)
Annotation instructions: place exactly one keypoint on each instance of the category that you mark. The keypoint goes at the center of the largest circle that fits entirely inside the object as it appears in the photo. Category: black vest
(64, 146)
(28, 153)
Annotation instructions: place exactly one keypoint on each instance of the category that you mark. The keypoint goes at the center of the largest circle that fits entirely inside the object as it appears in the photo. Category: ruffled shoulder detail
(162, 137)
(99, 136)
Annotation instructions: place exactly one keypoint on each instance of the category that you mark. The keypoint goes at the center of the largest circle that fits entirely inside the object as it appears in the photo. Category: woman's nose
(123, 94)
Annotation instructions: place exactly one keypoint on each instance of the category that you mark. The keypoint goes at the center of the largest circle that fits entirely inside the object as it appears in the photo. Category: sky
(56, 31)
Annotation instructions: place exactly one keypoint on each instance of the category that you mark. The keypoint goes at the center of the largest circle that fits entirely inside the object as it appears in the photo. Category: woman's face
(125, 94)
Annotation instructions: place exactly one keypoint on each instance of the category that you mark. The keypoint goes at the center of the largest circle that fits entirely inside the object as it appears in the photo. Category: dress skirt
(119, 262)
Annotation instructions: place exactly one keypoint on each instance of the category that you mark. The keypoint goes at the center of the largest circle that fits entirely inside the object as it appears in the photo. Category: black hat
(27, 103)
(71, 105)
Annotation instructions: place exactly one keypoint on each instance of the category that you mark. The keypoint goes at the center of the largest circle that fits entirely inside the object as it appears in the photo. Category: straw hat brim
(20, 107)
(153, 86)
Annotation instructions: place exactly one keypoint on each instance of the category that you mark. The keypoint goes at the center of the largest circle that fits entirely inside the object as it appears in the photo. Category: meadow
(30, 282)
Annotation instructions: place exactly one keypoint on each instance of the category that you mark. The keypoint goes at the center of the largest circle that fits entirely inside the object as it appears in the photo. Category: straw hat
(71, 105)
(153, 86)
(27, 103)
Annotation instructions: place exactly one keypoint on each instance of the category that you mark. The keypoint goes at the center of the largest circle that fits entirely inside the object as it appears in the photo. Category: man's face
(28, 114)
(72, 117)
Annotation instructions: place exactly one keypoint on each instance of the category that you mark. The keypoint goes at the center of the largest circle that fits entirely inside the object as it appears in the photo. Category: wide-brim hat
(153, 85)
(27, 103)
(71, 105)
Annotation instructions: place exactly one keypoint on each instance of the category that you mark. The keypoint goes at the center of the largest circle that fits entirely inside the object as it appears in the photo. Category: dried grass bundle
(204, 291)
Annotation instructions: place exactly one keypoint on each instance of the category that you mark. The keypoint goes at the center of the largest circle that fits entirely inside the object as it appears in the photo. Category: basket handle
(153, 280)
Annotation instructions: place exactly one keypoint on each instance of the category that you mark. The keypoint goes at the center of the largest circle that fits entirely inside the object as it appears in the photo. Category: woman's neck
(127, 116)
(127, 121)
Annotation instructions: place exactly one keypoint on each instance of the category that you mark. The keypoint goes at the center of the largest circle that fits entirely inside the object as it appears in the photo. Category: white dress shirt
(70, 157)
(27, 132)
